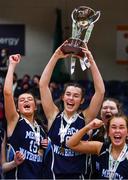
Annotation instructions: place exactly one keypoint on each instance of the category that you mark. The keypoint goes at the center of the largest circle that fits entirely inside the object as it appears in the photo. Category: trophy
(83, 19)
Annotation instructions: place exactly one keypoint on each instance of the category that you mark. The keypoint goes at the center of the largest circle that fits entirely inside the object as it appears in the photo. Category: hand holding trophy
(83, 19)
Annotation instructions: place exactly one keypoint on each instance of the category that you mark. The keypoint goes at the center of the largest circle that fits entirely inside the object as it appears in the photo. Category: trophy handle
(88, 33)
(95, 17)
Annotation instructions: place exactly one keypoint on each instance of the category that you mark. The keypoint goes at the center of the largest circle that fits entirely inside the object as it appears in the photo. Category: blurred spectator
(26, 79)
(35, 91)
(25, 83)
(55, 90)
(18, 89)
(14, 82)
(35, 86)
(25, 87)
(4, 53)
(59, 103)
(2, 114)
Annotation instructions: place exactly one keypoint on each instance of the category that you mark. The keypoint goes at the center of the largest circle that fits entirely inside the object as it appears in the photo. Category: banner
(12, 37)
(122, 44)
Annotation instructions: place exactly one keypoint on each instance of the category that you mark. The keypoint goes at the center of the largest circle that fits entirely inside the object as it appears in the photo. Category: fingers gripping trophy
(83, 19)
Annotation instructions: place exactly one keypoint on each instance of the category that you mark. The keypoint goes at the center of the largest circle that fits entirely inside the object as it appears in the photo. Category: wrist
(88, 127)
(92, 62)
(12, 67)
(55, 57)
(14, 163)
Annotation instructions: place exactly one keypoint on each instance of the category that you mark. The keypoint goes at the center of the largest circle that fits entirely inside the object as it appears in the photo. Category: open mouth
(27, 106)
(70, 105)
(117, 139)
(107, 116)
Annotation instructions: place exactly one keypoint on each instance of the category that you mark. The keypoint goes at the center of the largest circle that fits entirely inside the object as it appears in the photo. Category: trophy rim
(87, 19)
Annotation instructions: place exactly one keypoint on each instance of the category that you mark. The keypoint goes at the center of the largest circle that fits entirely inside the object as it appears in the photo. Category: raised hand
(15, 59)
(96, 123)
(18, 158)
(88, 54)
(59, 53)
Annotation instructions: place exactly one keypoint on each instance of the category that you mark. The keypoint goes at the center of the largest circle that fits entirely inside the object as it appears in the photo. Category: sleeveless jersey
(65, 160)
(26, 140)
(98, 134)
(102, 163)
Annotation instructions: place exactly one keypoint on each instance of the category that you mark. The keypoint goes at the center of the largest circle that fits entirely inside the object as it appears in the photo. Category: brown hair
(75, 85)
(117, 116)
(116, 101)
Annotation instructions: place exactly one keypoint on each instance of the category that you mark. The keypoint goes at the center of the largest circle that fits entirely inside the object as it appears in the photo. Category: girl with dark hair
(66, 164)
(24, 135)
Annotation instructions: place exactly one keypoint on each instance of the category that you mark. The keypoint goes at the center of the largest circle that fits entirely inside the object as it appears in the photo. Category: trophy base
(73, 46)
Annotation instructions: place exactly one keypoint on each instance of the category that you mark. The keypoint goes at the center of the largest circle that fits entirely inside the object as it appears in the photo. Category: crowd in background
(114, 88)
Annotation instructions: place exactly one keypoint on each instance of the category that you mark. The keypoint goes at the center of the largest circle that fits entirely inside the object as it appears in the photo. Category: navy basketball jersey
(102, 165)
(48, 172)
(26, 139)
(98, 134)
(66, 161)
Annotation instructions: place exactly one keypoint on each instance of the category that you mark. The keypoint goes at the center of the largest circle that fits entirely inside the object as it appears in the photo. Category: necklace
(113, 164)
(36, 129)
(63, 130)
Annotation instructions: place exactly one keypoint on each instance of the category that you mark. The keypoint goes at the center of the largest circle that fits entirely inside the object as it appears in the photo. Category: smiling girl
(112, 161)
(24, 135)
(66, 164)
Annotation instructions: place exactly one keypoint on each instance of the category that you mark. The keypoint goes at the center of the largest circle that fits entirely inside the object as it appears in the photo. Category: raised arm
(50, 109)
(97, 99)
(10, 109)
(92, 147)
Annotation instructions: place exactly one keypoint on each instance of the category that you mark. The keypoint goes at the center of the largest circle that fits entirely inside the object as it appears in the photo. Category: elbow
(7, 92)
(3, 168)
(101, 92)
(72, 147)
(42, 89)
(40, 84)
(102, 89)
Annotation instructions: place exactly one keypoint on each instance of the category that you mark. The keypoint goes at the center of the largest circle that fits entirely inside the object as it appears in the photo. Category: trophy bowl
(82, 19)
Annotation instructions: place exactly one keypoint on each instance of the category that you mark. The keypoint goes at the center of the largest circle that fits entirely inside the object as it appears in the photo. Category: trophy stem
(88, 33)
(79, 32)
(75, 31)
